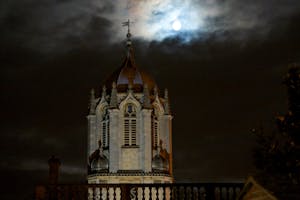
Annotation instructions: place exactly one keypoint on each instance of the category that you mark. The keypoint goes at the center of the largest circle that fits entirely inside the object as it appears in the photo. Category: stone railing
(190, 191)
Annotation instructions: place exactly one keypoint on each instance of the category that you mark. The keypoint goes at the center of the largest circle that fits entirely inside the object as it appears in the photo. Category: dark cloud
(52, 26)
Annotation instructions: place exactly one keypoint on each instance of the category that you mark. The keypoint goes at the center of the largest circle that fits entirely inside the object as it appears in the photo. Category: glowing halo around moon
(176, 25)
(168, 19)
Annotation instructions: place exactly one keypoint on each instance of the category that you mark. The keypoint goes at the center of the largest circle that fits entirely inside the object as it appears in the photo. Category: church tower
(129, 128)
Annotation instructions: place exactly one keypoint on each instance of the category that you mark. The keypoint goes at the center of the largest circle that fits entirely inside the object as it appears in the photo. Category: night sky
(223, 69)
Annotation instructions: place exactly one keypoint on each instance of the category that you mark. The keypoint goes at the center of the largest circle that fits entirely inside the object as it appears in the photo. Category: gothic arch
(130, 120)
(130, 99)
(100, 109)
(158, 107)
(102, 117)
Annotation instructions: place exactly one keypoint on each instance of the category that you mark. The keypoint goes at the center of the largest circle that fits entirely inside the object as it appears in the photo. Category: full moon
(176, 25)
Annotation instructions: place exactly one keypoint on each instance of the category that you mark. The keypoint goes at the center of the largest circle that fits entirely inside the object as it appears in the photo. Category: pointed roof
(129, 73)
(253, 189)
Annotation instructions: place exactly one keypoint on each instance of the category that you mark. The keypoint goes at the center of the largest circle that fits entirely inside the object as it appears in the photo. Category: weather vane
(127, 23)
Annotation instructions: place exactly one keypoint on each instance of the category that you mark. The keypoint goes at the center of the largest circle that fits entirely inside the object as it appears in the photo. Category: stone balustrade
(180, 191)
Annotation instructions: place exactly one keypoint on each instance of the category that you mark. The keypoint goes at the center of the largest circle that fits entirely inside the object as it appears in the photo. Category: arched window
(105, 128)
(154, 129)
(130, 125)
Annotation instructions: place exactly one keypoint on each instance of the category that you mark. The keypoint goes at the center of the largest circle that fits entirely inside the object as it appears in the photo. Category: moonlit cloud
(153, 18)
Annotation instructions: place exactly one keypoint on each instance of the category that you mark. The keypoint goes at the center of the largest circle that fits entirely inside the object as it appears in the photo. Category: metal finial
(114, 85)
(113, 96)
(166, 103)
(92, 93)
(146, 97)
(155, 90)
(127, 23)
(92, 102)
(104, 92)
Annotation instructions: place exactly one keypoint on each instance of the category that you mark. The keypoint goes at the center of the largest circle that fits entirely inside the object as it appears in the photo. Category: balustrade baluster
(189, 193)
(167, 192)
(108, 190)
(192, 192)
(184, 194)
(111, 192)
(237, 191)
(118, 193)
(175, 192)
(230, 194)
(181, 192)
(97, 193)
(217, 193)
(195, 191)
(202, 193)
(90, 193)
(224, 193)
(103, 193)
(116, 190)
(161, 194)
(139, 194)
(146, 193)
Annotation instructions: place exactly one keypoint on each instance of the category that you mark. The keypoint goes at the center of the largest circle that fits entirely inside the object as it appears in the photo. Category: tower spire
(155, 91)
(103, 92)
(146, 97)
(114, 97)
(92, 102)
(128, 42)
(166, 103)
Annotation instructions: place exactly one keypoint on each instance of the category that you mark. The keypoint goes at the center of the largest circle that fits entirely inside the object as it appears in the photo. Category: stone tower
(129, 128)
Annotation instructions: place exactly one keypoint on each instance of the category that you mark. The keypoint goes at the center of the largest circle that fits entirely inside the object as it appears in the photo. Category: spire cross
(127, 23)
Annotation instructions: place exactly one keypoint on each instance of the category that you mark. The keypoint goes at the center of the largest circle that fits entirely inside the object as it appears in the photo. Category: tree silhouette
(277, 156)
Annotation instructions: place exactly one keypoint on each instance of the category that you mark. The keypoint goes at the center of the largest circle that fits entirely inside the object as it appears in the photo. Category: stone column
(145, 141)
(166, 133)
(114, 139)
(92, 140)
